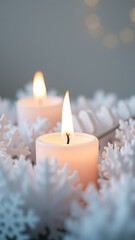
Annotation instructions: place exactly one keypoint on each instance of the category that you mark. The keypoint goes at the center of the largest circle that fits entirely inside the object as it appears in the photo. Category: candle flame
(67, 122)
(39, 87)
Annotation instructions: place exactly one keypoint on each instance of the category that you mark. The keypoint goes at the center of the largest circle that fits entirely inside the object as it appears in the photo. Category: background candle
(40, 105)
(79, 150)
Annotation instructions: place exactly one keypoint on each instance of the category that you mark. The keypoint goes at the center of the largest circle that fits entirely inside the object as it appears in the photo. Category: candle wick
(68, 138)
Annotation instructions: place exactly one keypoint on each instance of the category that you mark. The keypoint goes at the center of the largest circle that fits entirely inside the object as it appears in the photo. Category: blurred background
(79, 45)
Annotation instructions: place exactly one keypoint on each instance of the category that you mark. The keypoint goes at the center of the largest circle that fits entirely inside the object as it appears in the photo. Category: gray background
(51, 36)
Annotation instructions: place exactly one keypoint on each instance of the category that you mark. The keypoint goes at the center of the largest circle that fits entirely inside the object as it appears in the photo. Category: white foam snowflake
(14, 222)
(109, 214)
(95, 122)
(126, 131)
(119, 158)
(16, 219)
(99, 120)
(3, 150)
(30, 133)
(103, 99)
(47, 189)
(11, 139)
(116, 161)
(99, 99)
(55, 190)
(8, 107)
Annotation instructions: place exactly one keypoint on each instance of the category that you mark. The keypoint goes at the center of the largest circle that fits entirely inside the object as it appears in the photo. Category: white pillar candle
(81, 154)
(79, 150)
(40, 105)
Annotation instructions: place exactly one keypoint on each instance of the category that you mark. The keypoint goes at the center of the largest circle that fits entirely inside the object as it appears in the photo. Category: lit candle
(40, 105)
(79, 150)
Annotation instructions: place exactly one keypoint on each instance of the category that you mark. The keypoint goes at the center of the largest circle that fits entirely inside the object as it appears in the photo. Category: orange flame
(39, 87)
(67, 122)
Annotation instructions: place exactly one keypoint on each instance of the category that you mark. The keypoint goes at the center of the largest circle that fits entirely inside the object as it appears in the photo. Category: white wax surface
(29, 109)
(58, 139)
(47, 102)
(81, 154)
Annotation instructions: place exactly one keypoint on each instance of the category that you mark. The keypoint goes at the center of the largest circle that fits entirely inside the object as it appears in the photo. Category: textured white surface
(109, 214)
(119, 158)
(11, 139)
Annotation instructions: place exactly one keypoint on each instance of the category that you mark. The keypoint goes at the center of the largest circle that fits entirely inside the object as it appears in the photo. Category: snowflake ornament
(47, 189)
(102, 99)
(30, 133)
(99, 99)
(119, 158)
(15, 219)
(99, 120)
(36, 200)
(14, 222)
(103, 120)
(116, 161)
(55, 190)
(109, 214)
(7, 107)
(3, 150)
(126, 131)
(95, 122)
(11, 139)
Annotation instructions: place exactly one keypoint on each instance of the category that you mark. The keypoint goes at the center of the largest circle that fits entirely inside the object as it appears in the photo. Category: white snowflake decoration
(9, 136)
(107, 215)
(99, 99)
(102, 121)
(37, 200)
(102, 99)
(55, 190)
(126, 131)
(119, 158)
(7, 107)
(116, 161)
(3, 150)
(30, 132)
(99, 120)
(46, 189)
(14, 222)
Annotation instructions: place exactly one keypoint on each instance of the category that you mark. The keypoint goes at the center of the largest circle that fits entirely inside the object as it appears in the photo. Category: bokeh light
(127, 35)
(98, 33)
(93, 22)
(132, 15)
(110, 40)
(91, 3)
(97, 30)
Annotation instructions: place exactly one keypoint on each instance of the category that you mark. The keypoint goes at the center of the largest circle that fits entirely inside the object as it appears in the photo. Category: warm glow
(67, 122)
(39, 88)
(91, 3)
(127, 35)
(132, 15)
(93, 22)
(110, 40)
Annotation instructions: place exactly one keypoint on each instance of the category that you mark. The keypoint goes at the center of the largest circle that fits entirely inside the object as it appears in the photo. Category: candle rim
(23, 101)
(90, 138)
